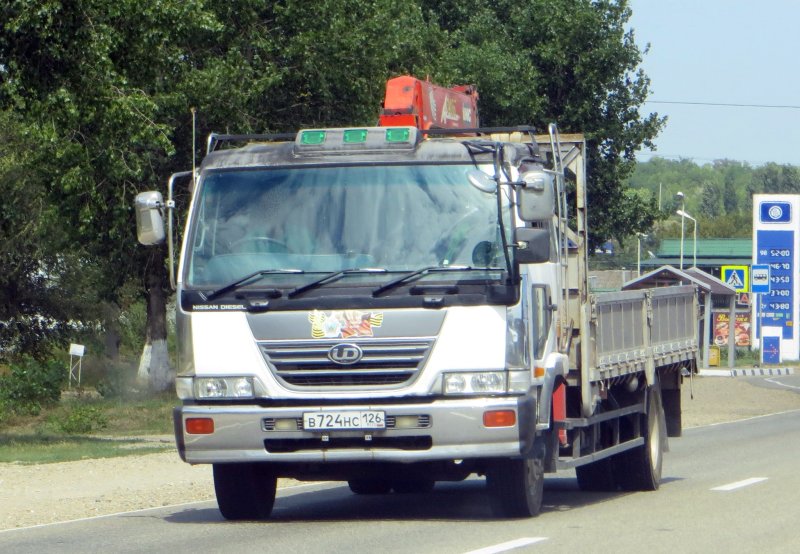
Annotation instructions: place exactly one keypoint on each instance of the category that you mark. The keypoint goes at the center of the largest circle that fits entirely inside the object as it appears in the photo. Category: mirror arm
(170, 204)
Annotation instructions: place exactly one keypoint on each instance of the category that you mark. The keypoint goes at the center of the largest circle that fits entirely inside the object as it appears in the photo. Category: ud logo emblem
(345, 354)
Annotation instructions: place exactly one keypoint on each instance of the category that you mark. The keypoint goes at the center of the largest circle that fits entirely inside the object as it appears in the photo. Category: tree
(105, 88)
(711, 199)
(730, 198)
(773, 178)
(572, 62)
(42, 274)
(73, 71)
(107, 85)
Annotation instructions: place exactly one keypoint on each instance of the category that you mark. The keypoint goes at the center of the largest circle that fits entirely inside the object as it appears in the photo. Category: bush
(5, 410)
(79, 420)
(118, 381)
(30, 385)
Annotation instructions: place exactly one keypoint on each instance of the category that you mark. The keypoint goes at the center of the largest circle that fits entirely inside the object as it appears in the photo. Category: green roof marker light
(312, 137)
(355, 135)
(398, 134)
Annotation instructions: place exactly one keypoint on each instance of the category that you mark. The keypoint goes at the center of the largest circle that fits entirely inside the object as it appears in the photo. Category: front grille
(386, 363)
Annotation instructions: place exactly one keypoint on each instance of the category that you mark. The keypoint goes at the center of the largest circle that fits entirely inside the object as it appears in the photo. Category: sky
(741, 52)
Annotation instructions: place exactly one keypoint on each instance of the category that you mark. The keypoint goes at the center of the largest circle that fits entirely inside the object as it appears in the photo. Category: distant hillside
(719, 195)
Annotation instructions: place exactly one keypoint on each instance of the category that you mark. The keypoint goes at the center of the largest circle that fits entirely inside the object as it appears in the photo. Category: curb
(750, 372)
(714, 372)
(762, 372)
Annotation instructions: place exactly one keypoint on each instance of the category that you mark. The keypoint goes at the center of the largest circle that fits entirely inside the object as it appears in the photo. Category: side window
(541, 316)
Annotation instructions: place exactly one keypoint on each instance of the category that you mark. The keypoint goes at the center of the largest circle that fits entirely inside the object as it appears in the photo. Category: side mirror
(533, 245)
(537, 197)
(149, 219)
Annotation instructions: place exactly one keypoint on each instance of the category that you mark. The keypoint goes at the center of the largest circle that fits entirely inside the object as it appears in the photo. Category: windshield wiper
(244, 280)
(421, 273)
(331, 277)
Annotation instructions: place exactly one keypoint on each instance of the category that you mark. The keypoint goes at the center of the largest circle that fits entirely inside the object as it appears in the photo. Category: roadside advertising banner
(722, 329)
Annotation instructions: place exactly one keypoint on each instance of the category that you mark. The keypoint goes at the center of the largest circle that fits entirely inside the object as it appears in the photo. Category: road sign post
(737, 277)
(760, 284)
(760, 275)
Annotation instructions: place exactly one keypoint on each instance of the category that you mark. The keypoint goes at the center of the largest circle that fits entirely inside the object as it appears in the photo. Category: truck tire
(244, 491)
(516, 486)
(369, 486)
(597, 476)
(640, 469)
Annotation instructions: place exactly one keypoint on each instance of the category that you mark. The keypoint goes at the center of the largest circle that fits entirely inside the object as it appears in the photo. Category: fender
(556, 365)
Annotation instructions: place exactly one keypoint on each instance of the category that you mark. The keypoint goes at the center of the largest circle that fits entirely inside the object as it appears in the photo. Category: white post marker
(75, 351)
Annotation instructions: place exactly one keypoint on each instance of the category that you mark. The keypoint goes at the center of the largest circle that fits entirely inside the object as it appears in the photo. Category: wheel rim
(654, 435)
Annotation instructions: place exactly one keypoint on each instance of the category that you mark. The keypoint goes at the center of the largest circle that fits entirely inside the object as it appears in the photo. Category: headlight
(223, 387)
(481, 382)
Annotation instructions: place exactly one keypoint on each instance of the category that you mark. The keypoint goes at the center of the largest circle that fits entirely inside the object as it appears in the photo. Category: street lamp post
(679, 196)
(694, 236)
(639, 237)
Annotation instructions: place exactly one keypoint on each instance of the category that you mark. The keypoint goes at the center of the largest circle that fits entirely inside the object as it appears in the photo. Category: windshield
(327, 219)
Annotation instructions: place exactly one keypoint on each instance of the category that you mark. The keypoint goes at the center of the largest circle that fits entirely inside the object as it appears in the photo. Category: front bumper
(450, 429)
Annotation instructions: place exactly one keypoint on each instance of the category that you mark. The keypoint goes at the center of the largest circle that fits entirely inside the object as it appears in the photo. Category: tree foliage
(570, 62)
(95, 99)
(46, 281)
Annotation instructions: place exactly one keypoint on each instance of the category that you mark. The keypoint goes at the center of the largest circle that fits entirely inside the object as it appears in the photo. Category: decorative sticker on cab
(343, 323)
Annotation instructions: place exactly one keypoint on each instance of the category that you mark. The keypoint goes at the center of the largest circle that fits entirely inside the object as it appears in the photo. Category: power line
(724, 104)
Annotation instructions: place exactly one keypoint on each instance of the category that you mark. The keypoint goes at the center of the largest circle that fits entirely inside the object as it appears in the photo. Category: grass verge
(83, 426)
(43, 449)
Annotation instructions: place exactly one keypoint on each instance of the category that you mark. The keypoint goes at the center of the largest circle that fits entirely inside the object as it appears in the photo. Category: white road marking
(506, 546)
(740, 484)
(774, 382)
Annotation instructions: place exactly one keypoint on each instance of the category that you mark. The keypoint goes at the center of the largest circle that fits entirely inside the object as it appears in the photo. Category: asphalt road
(727, 488)
(783, 382)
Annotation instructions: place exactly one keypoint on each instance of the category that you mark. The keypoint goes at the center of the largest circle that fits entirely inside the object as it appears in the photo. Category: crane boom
(416, 103)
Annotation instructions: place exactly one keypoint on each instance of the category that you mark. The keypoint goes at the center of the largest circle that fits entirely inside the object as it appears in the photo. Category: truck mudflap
(444, 429)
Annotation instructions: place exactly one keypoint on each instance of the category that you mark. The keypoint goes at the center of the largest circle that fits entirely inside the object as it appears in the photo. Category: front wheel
(516, 486)
(244, 491)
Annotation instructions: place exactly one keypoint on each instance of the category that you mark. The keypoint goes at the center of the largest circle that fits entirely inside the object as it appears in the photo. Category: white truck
(397, 306)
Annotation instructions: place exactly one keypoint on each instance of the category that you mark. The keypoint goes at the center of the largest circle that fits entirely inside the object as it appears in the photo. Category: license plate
(324, 421)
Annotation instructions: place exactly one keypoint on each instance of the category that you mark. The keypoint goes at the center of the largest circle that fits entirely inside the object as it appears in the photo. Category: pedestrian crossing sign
(737, 276)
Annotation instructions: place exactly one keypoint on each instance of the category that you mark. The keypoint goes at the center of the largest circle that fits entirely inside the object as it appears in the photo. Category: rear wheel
(516, 486)
(640, 469)
(244, 491)
(369, 486)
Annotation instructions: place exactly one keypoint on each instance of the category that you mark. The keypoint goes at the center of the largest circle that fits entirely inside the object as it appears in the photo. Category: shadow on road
(465, 501)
